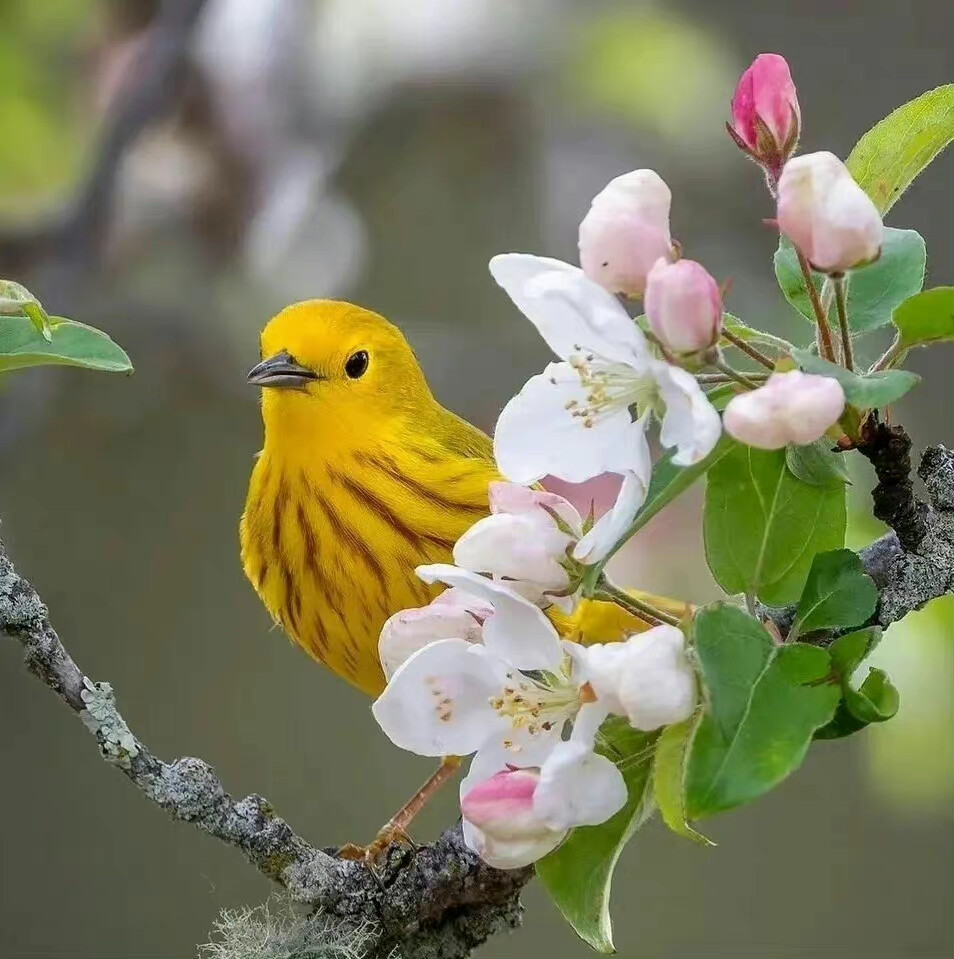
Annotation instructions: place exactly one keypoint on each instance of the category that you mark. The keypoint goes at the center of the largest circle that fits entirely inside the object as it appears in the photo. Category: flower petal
(513, 853)
(447, 617)
(438, 701)
(518, 632)
(514, 498)
(578, 788)
(691, 422)
(572, 312)
(658, 685)
(587, 723)
(538, 434)
(510, 853)
(612, 525)
(516, 547)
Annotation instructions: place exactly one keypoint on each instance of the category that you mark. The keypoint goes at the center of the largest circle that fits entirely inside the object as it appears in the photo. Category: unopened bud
(505, 829)
(683, 306)
(827, 215)
(791, 407)
(626, 231)
(766, 119)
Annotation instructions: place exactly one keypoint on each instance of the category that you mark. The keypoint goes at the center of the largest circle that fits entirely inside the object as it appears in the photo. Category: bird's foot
(390, 835)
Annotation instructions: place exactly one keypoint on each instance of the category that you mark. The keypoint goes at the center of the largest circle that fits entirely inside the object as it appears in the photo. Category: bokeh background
(382, 151)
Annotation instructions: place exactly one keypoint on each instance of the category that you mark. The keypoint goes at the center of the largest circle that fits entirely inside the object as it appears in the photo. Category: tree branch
(439, 901)
(915, 563)
(888, 448)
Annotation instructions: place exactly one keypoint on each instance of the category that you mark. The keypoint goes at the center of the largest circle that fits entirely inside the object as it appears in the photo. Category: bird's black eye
(357, 364)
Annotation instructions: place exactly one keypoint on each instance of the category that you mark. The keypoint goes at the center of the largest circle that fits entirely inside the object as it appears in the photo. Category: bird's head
(330, 367)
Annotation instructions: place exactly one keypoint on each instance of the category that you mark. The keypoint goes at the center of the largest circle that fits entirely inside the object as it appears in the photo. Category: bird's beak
(281, 371)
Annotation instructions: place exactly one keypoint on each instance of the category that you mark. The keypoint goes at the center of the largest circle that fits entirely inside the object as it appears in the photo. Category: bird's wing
(461, 438)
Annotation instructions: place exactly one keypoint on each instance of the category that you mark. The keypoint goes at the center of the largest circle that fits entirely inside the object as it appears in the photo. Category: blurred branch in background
(150, 87)
(439, 900)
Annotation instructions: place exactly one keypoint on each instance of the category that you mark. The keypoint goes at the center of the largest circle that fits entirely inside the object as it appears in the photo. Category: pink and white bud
(454, 614)
(501, 823)
(524, 540)
(766, 118)
(683, 305)
(792, 407)
(648, 678)
(626, 231)
(827, 215)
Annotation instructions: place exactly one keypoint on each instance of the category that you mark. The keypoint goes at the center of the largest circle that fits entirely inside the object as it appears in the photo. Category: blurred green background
(382, 151)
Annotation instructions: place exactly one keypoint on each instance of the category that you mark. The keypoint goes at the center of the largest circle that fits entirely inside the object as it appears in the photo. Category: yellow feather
(359, 482)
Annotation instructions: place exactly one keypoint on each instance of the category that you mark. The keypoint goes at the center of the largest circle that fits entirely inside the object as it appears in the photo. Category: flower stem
(710, 379)
(889, 356)
(734, 375)
(841, 300)
(644, 611)
(747, 348)
(826, 347)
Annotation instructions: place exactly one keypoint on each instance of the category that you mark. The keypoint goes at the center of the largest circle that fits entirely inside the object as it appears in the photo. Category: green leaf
(579, 874)
(763, 703)
(865, 391)
(875, 701)
(669, 777)
(838, 594)
(874, 291)
(893, 152)
(817, 464)
(71, 344)
(763, 525)
(751, 335)
(790, 279)
(849, 651)
(925, 318)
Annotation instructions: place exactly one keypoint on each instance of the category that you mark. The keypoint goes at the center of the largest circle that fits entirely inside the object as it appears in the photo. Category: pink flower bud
(827, 215)
(791, 407)
(765, 114)
(626, 231)
(500, 821)
(683, 305)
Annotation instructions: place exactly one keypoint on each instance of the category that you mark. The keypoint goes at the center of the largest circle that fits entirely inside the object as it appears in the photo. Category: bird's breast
(331, 548)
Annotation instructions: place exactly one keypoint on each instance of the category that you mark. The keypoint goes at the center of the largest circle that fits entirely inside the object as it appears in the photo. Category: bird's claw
(387, 837)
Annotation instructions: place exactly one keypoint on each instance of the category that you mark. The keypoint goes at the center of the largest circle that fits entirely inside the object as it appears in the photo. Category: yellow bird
(363, 477)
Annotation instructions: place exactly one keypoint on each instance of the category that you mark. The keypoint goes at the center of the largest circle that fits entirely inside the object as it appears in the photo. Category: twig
(439, 900)
(888, 448)
(841, 301)
(748, 349)
(711, 379)
(889, 356)
(641, 610)
(825, 345)
(734, 375)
